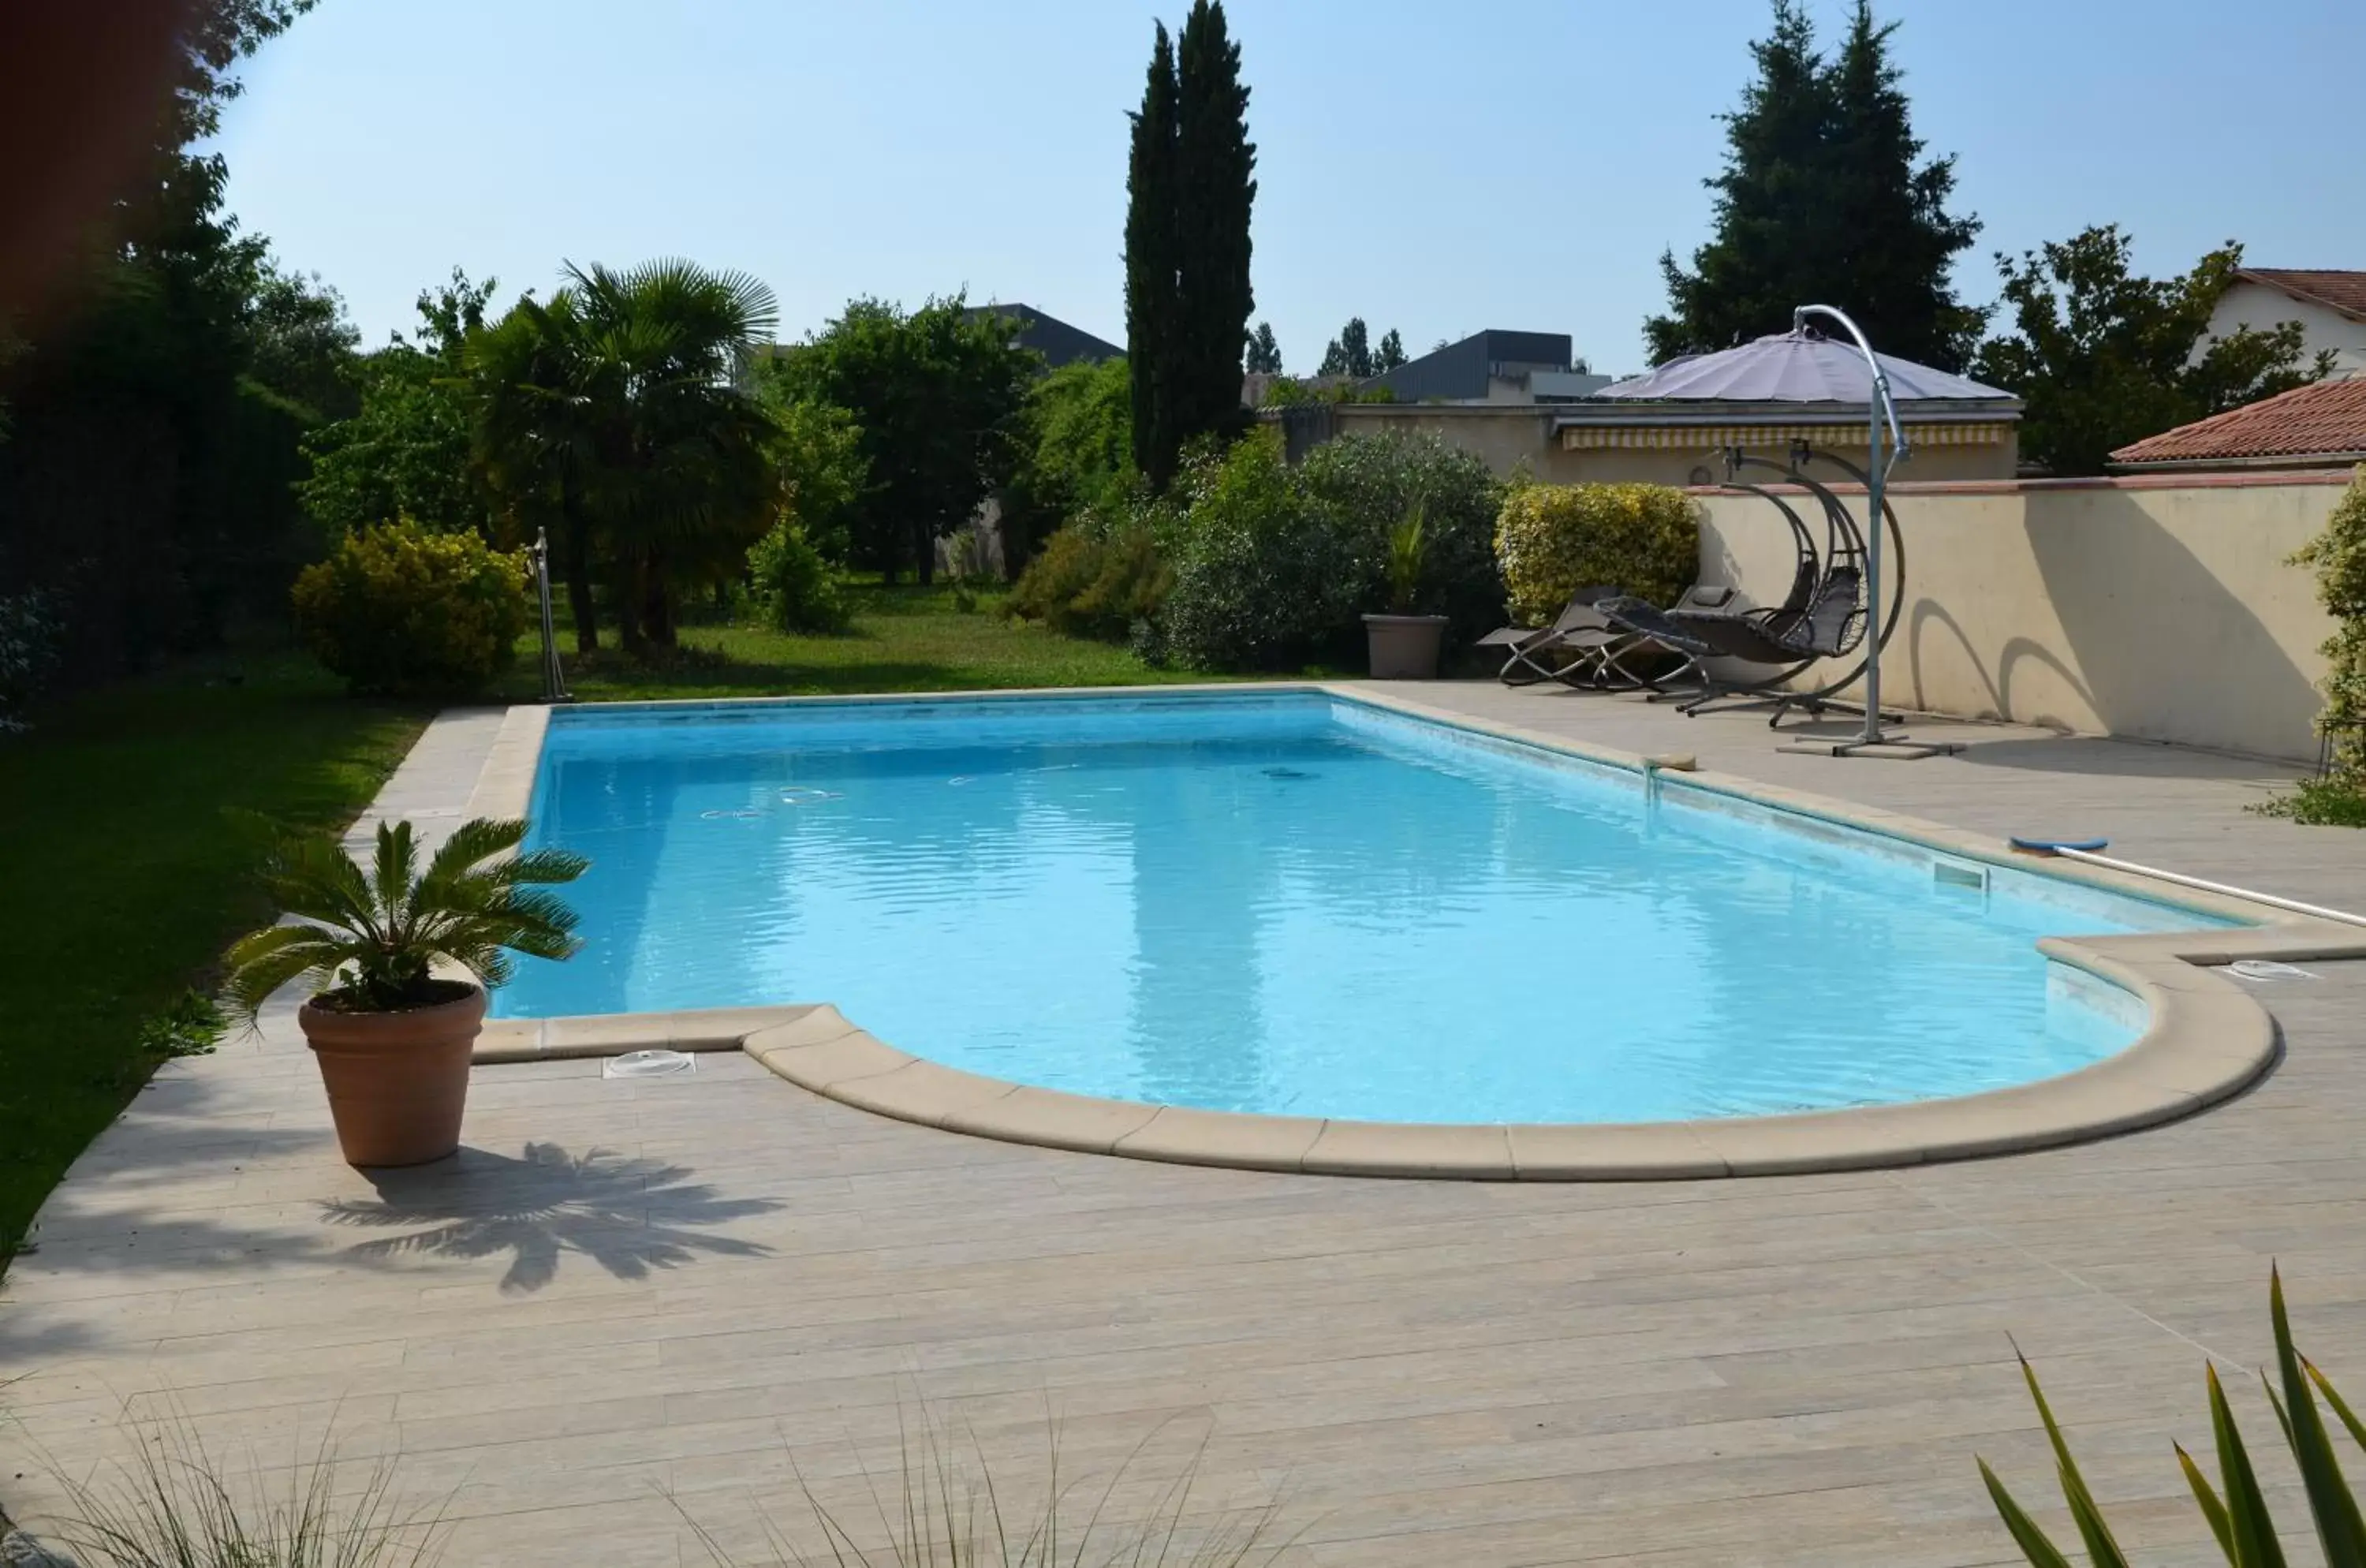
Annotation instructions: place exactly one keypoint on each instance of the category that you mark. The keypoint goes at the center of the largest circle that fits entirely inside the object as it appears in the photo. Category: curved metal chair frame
(1816, 701)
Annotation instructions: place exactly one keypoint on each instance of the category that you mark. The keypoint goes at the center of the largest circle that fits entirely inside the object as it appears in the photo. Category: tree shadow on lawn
(629, 1214)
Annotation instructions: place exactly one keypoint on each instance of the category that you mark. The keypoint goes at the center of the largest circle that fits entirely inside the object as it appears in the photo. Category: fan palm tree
(622, 408)
(374, 934)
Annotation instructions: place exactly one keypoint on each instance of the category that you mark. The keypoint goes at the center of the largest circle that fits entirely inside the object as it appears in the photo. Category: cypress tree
(1151, 297)
(1215, 190)
(1896, 286)
(1821, 201)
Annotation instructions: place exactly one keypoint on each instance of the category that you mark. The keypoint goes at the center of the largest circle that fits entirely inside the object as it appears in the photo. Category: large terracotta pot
(397, 1081)
(1404, 647)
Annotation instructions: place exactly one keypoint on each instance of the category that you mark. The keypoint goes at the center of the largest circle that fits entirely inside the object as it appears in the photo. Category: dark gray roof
(1460, 370)
(1054, 339)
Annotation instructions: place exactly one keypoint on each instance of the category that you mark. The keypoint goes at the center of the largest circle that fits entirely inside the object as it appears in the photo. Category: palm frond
(388, 926)
(2340, 1529)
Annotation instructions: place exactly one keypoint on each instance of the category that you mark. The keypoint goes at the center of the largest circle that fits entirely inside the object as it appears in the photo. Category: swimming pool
(1299, 903)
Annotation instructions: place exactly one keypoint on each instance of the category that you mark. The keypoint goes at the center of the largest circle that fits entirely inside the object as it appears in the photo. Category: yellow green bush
(397, 610)
(1552, 540)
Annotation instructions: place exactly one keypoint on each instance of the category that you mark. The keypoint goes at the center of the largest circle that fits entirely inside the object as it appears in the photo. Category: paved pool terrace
(710, 1285)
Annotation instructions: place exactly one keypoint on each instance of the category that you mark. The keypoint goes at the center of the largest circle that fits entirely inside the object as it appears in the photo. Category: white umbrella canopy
(1798, 367)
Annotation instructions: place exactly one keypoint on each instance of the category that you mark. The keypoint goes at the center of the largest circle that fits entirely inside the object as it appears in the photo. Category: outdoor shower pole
(1880, 406)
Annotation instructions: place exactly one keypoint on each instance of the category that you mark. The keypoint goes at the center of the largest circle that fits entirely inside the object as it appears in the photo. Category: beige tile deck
(696, 1283)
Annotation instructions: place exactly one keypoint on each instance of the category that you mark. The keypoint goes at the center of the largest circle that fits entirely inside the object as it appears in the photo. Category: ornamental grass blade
(2092, 1529)
(2041, 1553)
(2250, 1531)
(2340, 1529)
(2333, 1397)
(2213, 1511)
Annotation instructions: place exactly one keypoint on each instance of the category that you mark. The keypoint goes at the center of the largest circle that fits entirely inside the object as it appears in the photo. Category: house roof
(1054, 339)
(1797, 366)
(2344, 292)
(2324, 419)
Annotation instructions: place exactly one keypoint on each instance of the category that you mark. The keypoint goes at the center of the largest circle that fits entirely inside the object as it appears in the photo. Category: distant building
(2322, 425)
(1054, 339)
(2330, 306)
(1492, 367)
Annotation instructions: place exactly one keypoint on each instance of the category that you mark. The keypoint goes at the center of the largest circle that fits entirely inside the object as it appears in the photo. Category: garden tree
(1349, 354)
(619, 412)
(302, 344)
(1263, 351)
(1191, 190)
(2103, 358)
(823, 473)
(146, 484)
(405, 451)
(1821, 201)
(1076, 457)
(1153, 303)
(1390, 353)
(938, 395)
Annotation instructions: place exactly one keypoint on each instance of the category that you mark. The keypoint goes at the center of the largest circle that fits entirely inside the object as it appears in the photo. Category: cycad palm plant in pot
(393, 1037)
(1403, 644)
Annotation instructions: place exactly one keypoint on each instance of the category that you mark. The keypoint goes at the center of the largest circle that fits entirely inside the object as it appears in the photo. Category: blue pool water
(1289, 904)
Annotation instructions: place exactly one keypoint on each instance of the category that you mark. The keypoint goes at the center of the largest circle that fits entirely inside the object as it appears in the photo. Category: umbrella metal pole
(1881, 408)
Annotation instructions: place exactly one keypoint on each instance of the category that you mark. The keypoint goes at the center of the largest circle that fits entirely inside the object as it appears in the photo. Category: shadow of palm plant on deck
(629, 1214)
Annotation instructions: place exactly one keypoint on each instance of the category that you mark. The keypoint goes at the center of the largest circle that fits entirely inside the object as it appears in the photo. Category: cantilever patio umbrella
(1804, 365)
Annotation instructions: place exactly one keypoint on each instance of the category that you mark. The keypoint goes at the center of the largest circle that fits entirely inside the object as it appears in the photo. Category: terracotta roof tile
(2342, 292)
(2322, 418)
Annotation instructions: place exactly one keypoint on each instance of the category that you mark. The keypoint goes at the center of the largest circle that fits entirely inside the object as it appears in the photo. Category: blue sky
(1435, 168)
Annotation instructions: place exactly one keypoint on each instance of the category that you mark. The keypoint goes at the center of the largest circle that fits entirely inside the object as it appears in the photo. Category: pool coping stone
(2207, 1038)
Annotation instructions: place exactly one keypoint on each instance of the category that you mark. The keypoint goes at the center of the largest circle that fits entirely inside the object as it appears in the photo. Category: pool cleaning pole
(1880, 406)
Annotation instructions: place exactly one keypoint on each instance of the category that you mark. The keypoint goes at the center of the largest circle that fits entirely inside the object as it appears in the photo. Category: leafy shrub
(399, 610)
(1269, 577)
(1552, 540)
(1377, 481)
(1087, 582)
(1275, 566)
(2339, 556)
(797, 590)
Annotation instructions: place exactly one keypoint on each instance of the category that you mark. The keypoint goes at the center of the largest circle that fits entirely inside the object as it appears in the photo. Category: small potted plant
(1404, 645)
(393, 1038)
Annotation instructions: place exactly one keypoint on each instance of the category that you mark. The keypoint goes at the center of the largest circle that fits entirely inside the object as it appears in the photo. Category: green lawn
(905, 639)
(128, 862)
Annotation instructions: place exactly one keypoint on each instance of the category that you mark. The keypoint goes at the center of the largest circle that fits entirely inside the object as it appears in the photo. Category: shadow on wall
(2164, 614)
(629, 1215)
(2169, 651)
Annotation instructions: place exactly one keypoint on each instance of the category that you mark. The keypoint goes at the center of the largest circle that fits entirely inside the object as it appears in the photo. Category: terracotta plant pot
(397, 1081)
(1404, 647)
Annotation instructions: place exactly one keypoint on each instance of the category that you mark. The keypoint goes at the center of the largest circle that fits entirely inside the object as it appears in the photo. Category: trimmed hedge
(1552, 540)
(397, 611)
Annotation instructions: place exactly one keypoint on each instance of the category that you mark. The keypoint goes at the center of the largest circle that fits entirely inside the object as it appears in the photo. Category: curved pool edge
(2207, 1038)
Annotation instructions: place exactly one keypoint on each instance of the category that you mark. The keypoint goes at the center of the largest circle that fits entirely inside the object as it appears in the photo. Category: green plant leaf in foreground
(2338, 1527)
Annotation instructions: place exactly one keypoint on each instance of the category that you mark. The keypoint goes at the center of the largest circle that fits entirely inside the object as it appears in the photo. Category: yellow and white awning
(1585, 437)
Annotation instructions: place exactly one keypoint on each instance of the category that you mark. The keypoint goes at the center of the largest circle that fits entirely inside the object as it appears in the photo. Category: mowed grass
(128, 862)
(905, 638)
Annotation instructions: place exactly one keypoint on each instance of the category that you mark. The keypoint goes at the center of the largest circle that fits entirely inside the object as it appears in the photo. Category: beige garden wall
(2158, 607)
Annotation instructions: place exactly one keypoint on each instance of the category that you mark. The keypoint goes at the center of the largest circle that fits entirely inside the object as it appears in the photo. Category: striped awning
(1716, 437)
